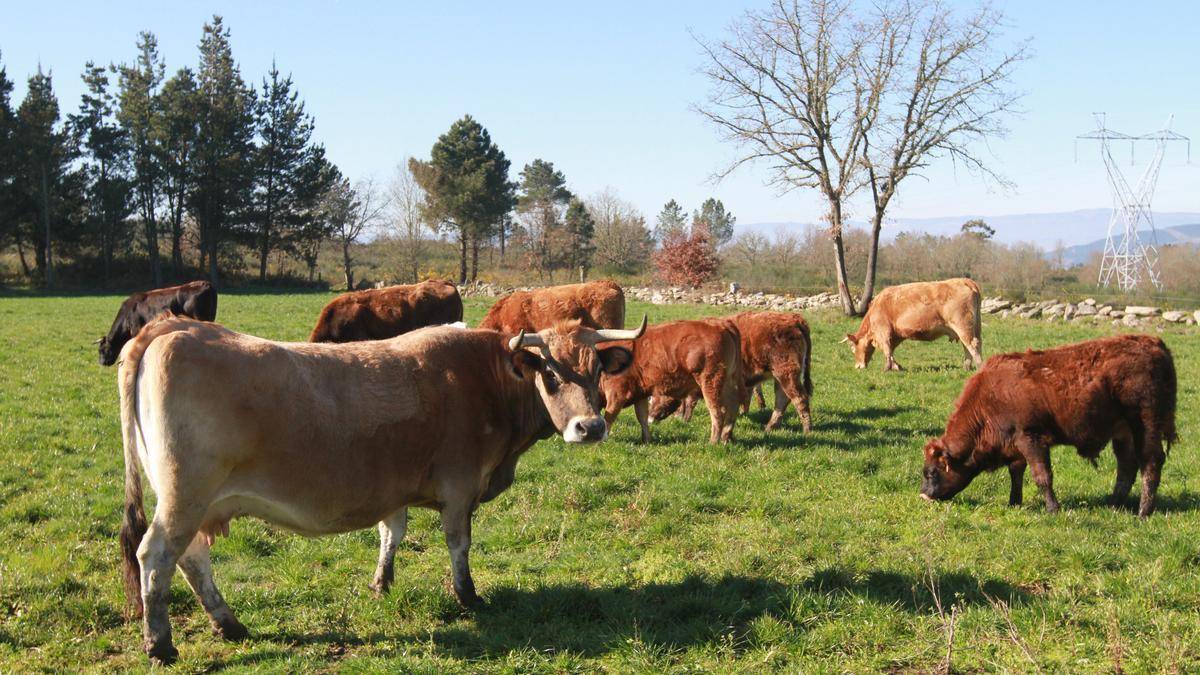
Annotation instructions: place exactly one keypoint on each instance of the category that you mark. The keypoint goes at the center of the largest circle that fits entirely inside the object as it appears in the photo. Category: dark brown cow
(324, 438)
(196, 299)
(775, 345)
(382, 313)
(675, 360)
(925, 310)
(1019, 405)
(595, 304)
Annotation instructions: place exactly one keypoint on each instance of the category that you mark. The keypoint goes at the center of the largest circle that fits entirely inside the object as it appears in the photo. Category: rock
(1085, 310)
(1091, 302)
(1055, 310)
(1175, 316)
(657, 299)
(1130, 320)
(734, 287)
(1031, 313)
(1116, 313)
(1138, 310)
(1069, 311)
(1105, 310)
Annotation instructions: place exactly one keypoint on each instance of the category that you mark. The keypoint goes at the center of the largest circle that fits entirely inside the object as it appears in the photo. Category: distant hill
(1073, 228)
(1179, 234)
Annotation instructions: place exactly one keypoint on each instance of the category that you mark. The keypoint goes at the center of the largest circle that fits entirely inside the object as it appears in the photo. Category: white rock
(1139, 310)
(1174, 316)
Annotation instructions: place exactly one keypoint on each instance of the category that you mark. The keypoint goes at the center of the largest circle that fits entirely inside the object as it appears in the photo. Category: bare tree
(351, 212)
(405, 220)
(837, 100)
(623, 242)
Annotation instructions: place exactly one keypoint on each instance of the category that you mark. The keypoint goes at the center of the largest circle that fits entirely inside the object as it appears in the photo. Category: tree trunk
(152, 249)
(177, 240)
(21, 256)
(49, 252)
(872, 259)
(212, 260)
(839, 259)
(264, 251)
(503, 227)
(346, 264)
(474, 258)
(462, 256)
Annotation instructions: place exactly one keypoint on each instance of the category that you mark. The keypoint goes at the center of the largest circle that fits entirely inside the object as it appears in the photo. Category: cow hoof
(232, 631)
(472, 601)
(162, 654)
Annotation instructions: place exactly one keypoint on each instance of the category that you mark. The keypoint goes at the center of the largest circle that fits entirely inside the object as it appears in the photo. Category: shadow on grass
(914, 594)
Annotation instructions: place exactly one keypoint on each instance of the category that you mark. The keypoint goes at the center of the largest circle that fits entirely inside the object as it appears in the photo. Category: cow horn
(98, 341)
(610, 334)
(844, 340)
(524, 339)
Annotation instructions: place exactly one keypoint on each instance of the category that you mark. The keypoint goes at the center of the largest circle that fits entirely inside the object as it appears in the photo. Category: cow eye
(552, 379)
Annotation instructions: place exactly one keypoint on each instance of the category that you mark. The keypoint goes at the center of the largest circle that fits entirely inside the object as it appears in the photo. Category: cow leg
(642, 410)
(972, 349)
(889, 360)
(1152, 461)
(391, 532)
(758, 396)
(722, 396)
(456, 523)
(688, 407)
(1016, 474)
(196, 566)
(1037, 455)
(789, 387)
(1127, 468)
(165, 541)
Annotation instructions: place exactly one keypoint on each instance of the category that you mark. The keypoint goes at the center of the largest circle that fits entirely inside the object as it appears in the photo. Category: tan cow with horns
(325, 438)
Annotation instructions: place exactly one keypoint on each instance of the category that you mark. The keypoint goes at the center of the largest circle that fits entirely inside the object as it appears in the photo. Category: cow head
(108, 352)
(566, 370)
(862, 347)
(947, 471)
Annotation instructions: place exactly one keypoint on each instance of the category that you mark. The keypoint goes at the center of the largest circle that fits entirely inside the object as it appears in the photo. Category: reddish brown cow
(775, 345)
(675, 360)
(382, 313)
(1019, 405)
(595, 304)
(925, 310)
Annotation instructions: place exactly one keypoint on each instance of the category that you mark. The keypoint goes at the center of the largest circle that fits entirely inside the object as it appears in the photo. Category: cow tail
(133, 525)
(806, 361)
(1169, 435)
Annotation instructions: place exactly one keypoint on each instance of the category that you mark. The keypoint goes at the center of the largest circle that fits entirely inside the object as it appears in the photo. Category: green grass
(778, 552)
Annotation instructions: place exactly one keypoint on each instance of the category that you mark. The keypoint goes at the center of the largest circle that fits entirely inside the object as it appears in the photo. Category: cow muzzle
(585, 430)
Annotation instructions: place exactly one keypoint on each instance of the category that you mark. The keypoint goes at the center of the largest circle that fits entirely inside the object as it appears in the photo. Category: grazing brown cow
(1019, 405)
(674, 360)
(775, 345)
(925, 310)
(197, 299)
(382, 313)
(324, 438)
(596, 304)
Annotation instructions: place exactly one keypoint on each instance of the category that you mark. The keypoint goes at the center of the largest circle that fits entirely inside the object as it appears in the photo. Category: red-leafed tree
(686, 259)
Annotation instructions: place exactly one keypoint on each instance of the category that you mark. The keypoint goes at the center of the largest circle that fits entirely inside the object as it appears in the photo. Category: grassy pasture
(778, 552)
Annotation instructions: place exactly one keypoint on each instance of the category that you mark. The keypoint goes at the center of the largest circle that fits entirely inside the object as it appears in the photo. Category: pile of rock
(732, 298)
(1086, 311)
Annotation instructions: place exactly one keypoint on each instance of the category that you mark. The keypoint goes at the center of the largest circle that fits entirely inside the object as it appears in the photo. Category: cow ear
(615, 360)
(851, 338)
(524, 363)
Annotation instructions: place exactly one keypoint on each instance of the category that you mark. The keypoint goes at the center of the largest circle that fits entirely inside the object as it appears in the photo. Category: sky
(605, 90)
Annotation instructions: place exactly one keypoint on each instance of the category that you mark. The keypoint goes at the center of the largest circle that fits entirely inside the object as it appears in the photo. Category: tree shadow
(915, 594)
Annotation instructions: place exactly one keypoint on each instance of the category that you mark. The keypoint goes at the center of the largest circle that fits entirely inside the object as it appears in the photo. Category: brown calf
(382, 313)
(595, 304)
(675, 360)
(1019, 405)
(774, 345)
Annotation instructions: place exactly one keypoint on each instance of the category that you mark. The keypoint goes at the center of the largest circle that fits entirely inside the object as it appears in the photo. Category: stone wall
(1087, 311)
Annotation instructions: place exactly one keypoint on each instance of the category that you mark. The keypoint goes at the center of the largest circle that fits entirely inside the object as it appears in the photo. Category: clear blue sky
(603, 89)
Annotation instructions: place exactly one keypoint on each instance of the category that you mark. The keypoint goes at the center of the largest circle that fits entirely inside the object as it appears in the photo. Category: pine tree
(44, 183)
(713, 217)
(671, 222)
(221, 198)
(8, 165)
(288, 167)
(542, 203)
(139, 114)
(466, 187)
(176, 136)
(581, 230)
(106, 154)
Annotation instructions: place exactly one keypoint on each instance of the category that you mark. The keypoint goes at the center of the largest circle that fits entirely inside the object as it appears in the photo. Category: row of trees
(201, 159)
